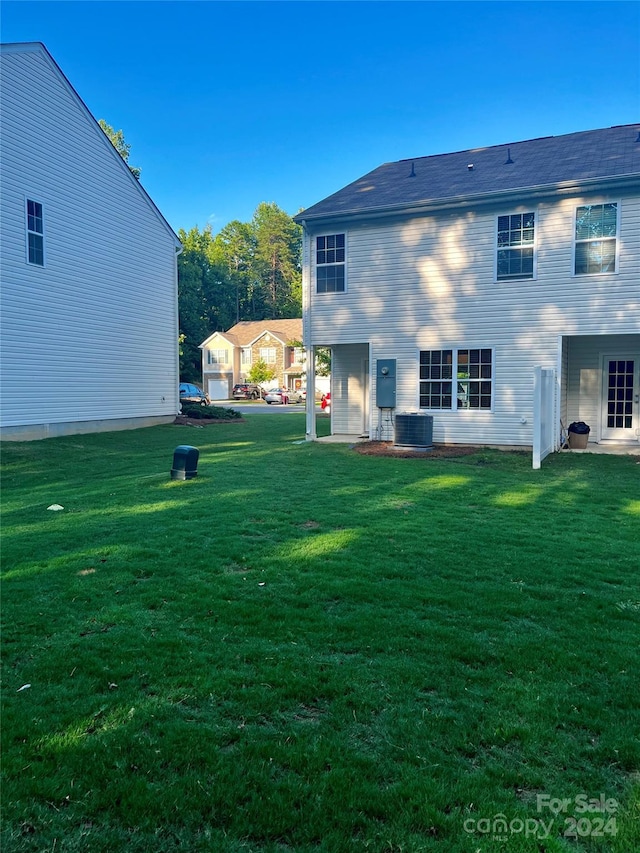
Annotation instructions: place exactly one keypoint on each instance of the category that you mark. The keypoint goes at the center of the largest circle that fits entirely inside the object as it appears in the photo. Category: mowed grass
(304, 649)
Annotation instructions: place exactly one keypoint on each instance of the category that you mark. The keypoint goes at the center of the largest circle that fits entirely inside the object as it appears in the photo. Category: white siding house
(89, 275)
(472, 269)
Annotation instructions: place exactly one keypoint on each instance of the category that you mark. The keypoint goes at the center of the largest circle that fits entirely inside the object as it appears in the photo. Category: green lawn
(304, 649)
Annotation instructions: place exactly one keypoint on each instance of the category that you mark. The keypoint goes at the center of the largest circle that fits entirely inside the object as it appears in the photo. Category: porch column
(310, 431)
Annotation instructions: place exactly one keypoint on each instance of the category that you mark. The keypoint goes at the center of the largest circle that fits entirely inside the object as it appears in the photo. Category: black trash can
(185, 462)
(578, 435)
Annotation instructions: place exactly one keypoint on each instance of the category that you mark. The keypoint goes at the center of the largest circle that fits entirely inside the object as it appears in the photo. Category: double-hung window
(218, 356)
(330, 263)
(516, 245)
(268, 355)
(456, 379)
(35, 233)
(596, 238)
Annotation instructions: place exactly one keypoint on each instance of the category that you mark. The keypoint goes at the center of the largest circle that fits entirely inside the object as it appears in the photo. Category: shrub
(218, 413)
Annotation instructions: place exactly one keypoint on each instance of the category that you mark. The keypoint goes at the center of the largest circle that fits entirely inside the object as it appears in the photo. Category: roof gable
(267, 335)
(224, 336)
(549, 162)
(248, 331)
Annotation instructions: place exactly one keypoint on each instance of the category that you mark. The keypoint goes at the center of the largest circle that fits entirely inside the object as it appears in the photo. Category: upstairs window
(217, 356)
(330, 263)
(245, 356)
(268, 355)
(35, 233)
(516, 237)
(456, 379)
(596, 238)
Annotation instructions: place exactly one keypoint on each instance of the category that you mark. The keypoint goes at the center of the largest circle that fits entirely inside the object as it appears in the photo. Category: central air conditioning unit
(414, 430)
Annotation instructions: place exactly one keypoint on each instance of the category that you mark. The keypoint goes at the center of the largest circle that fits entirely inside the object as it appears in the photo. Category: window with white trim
(217, 356)
(469, 371)
(330, 263)
(596, 238)
(35, 233)
(245, 356)
(268, 355)
(515, 246)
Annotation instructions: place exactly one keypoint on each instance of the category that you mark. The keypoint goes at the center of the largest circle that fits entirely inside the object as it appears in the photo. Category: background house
(227, 357)
(465, 272)
(89, 280)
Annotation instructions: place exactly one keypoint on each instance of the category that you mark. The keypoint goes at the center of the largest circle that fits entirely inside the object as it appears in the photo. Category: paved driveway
(260, 408)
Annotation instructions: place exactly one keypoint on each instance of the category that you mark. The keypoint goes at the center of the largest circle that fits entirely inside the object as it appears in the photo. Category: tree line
(247, 271)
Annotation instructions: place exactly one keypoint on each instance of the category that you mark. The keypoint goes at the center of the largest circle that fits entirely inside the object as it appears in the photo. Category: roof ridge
(513, 142)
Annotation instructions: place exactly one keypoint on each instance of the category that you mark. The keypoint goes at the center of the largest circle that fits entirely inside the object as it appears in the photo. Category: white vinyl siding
(348, 385)
(428, 283)
(104, 309)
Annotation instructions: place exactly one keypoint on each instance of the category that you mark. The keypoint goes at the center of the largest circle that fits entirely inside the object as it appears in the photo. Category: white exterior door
(620, 395)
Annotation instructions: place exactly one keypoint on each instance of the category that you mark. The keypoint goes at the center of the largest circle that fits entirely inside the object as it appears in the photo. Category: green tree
(248, 271)
(277, 262)
(119, 143)
(260, 373)
(194, 298)
(323, 358)
(234, 249)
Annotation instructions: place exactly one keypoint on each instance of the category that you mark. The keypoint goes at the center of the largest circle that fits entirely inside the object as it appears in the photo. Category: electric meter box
(386, 383)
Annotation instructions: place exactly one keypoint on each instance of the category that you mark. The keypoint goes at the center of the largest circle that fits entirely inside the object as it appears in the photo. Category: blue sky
(227, 104)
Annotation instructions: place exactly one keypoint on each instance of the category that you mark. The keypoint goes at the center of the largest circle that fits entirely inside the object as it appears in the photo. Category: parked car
(275, 395)
(325, 404)
(319, 394)
(246, 391)
(190, 393)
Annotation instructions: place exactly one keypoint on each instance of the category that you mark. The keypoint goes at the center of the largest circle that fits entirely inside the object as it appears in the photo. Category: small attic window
(35, 233)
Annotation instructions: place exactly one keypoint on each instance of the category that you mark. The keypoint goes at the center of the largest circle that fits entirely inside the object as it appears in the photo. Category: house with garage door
(494, 290)
(227, 357)
(89, 320)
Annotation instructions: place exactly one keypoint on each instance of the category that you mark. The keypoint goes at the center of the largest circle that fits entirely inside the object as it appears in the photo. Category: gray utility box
(386, 383)
(185, 462)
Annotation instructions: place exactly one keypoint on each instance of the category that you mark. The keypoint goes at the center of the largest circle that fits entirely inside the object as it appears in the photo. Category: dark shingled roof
(577, 158)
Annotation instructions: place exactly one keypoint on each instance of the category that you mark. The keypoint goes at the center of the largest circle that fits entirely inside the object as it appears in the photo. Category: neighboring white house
(227, 357)
(465, 272)
(89, 328)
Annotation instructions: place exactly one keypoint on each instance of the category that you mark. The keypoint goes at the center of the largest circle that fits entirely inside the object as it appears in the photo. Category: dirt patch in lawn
(438, 451)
